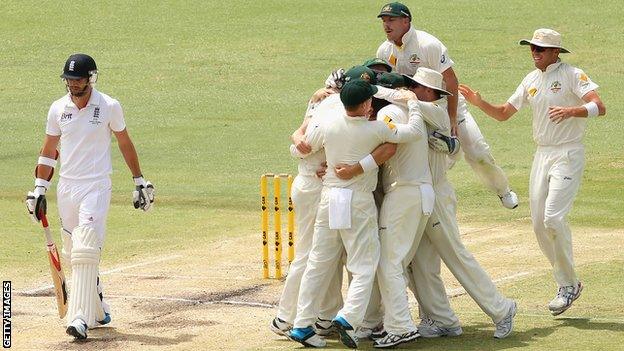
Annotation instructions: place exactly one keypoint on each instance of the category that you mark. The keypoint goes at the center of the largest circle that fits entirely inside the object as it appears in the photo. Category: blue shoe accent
(301, 334)
(343, 324)
(106, 320)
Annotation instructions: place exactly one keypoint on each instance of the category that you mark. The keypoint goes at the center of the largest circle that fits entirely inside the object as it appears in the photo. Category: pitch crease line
(199, 301)
(50, 286)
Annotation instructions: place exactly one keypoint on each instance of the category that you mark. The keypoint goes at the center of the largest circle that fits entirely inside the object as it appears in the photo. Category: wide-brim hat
(429, 78)
(545, 38)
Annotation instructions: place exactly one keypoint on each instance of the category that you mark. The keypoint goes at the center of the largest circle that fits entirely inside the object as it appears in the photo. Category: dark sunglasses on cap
(537, 48)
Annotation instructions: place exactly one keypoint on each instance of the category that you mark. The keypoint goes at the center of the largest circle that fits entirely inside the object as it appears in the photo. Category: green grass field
(211, 91)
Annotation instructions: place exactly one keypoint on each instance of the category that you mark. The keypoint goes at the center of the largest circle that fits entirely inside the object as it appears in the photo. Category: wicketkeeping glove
(336, 79)
(36, 203)
(442, 143)
(143, 195)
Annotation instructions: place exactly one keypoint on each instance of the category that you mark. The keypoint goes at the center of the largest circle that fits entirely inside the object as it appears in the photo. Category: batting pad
(84, 301)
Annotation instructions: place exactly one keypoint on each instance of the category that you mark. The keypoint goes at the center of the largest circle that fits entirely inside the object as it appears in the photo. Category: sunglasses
(537, 48)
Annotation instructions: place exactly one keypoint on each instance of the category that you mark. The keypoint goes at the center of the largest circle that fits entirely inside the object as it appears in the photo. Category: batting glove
(36, 203)
(143, 195)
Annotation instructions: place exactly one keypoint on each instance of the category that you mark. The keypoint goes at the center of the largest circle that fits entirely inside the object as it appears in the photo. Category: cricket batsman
(83, 121)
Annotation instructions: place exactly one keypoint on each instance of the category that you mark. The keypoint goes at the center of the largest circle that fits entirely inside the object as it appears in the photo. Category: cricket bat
(60, 288)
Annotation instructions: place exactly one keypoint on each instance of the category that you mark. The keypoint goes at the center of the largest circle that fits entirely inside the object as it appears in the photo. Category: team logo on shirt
(584, 79)
(414, 59)
(555, 86)
(65, 117)
(532, 92)
(95, 120)
(392, 59)
(388, 121)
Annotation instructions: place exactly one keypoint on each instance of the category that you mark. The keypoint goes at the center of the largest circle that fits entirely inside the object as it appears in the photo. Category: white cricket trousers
(361, 243)
(442, 240)
(477, 151)
(555, 180)
(401, 226)
(84, 203)
(306, 195)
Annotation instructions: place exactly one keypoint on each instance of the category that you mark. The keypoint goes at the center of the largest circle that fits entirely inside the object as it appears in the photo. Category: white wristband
(592, 109)
(46, 161)
(368, 163)
(42, 182)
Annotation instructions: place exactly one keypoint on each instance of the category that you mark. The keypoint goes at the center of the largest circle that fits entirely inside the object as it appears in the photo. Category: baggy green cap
(391, 80)
(356, 92)
(377, 61)
(395, 9)
(361, 72)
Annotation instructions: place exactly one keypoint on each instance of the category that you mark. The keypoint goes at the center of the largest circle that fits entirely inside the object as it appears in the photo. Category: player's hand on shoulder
(143, 195)
(36, 203)
(403, 96)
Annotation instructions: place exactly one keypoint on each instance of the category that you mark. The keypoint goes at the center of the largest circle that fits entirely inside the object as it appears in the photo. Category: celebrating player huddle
(372, 192)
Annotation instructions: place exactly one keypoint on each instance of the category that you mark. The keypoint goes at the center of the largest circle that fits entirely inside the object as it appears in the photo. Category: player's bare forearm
(128, 152)
(50, 143)
(452, 84)
(558, 114)
(384, 152)
(498, 112)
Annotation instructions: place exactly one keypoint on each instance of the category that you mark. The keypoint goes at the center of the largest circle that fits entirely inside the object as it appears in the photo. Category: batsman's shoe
(107, 319)
(78, 329)
(564, 299)
(509, 200)
(505, 326)
(346, 331)
(307, 337)
(392, 340)
(280, 327)
(324, 327)
(429, 329)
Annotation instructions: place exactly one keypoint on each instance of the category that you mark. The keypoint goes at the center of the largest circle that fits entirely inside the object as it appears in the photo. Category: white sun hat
(429, 78)
(545, 38)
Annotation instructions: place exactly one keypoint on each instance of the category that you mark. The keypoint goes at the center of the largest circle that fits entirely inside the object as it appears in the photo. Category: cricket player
(562, 98)
(346, 217)
(306, 195)
(406, 49)
(442, 238)
(83, 121)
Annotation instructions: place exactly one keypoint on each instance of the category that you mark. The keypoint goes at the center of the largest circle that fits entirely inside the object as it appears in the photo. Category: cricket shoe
(78, 329)
(429, 329)
(107, 319)
(280, 327)
(363, 333)
(392, 340)
(324, 327)
(307, 337)
(509, 200)
(505, 326)
(346, 331)
(564, 299)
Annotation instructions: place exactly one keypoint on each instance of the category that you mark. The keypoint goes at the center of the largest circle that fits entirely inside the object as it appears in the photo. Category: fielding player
(347, 217)
(407, 49)
(82, 121)
(442, 239)
(562, 98)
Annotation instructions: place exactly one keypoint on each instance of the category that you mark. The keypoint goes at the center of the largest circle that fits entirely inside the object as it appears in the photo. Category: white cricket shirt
(560, 85)
(419, 49)
(85, 135)
(349, 139)
(409, 165)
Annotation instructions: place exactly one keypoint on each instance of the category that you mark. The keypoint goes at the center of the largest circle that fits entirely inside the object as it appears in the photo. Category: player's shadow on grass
(589, 324)
(108, 338)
